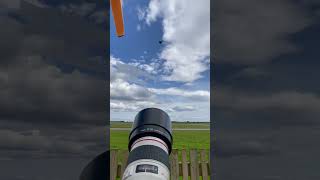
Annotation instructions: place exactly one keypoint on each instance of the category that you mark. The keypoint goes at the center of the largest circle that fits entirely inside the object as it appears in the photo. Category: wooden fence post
(185, 175)
(124, 162)
(204, 170)
(174, 165)
(194, 165)
(113, 165)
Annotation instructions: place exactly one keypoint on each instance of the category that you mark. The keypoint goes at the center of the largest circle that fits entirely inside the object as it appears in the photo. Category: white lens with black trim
(148, 159)
(146, 169)
(150, 144)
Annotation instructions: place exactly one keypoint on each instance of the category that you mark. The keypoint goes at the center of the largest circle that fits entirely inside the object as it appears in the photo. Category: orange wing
(116, 7)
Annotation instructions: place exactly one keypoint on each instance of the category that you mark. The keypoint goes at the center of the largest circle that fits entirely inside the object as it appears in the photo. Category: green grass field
(188, 139)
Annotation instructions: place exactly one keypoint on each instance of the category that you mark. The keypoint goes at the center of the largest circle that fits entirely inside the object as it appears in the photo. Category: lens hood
(152, 122)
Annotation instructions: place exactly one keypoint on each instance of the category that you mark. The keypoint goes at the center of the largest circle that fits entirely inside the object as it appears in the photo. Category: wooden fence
(184, 164)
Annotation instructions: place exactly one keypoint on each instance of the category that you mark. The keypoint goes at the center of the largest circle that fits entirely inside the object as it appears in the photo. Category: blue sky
(174, 75)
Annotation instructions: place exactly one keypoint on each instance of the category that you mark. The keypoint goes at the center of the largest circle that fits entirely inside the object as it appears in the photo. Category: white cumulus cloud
(186, 31)
(197, 95)
(130, 93)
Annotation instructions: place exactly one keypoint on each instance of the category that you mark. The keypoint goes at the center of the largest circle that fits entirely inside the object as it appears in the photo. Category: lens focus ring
(149, 152)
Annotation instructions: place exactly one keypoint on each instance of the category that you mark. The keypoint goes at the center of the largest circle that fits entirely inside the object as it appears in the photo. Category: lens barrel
(152, 122)
(150, 144)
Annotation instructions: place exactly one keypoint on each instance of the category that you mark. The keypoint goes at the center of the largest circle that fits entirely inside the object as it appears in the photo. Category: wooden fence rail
(187, 164)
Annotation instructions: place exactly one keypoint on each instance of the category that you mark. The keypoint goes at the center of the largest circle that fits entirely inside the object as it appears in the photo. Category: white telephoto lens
(146, 169)
(153, 168)
(150, 144)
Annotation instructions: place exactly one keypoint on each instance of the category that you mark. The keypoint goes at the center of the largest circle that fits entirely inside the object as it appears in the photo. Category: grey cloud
(10, 35)
(100, 17)
(265, 91)
(14, 144)
(254, 32)
(183, 108)
(255, 153)
(53, 91)
(250, 148)
(10, 4)
(38, 89)
(281, 108)
(32, 88)
(38, 92)
(26, 33)
(231, 143)
(82, 9)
